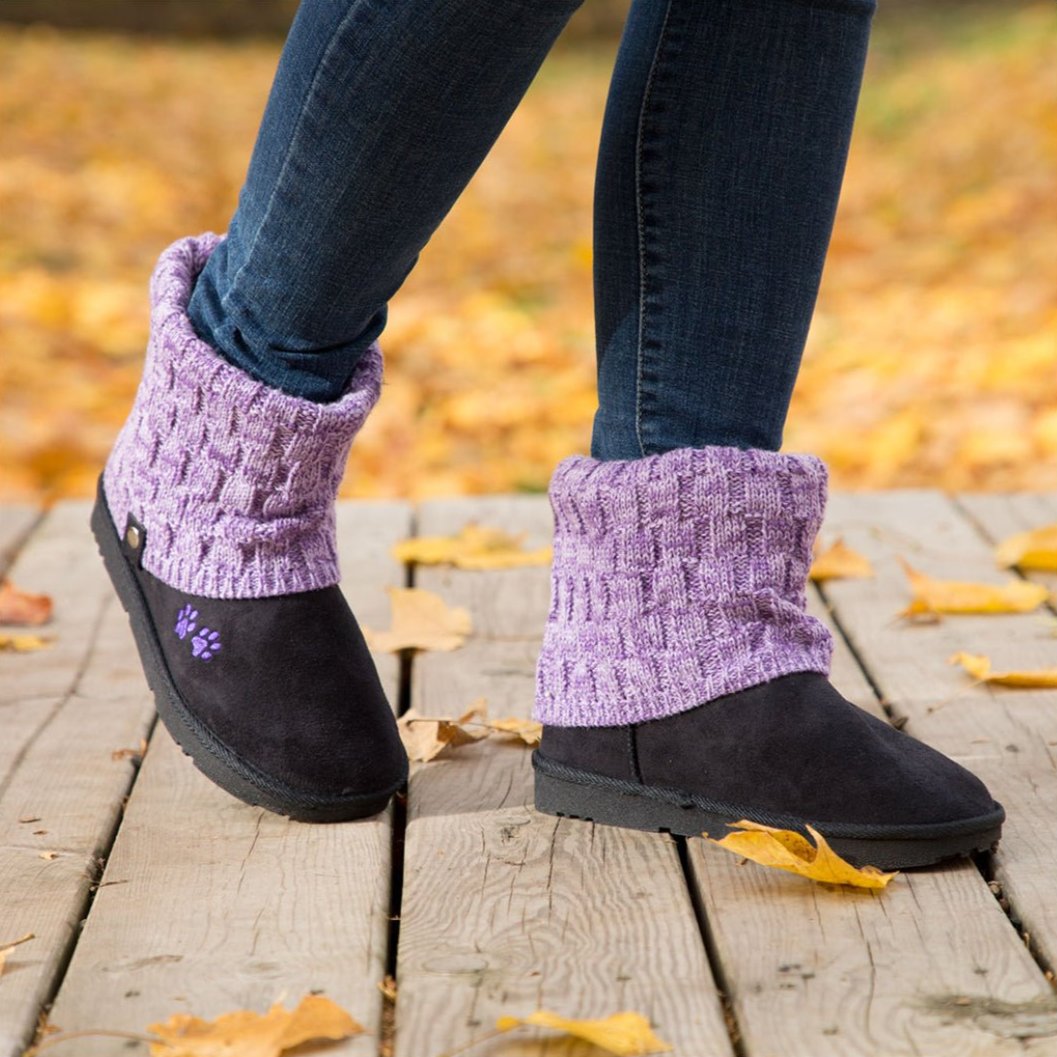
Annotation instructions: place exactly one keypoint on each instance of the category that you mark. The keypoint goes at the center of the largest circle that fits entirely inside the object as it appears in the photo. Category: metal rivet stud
(132, 537)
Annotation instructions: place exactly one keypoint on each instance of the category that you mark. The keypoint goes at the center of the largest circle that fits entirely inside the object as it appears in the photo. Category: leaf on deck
(474, 546)
(7, 948)
(1035, 549)
(788, 850)
(426, 737)
(528, 730)
(247, 1034)
(840, 562)
(23, 643)
(20, 607)
(627, 1034)
(421, 620)
(979, 667)
(931, 596)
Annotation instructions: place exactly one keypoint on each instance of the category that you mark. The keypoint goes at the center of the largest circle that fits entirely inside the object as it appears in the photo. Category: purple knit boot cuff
(678, 578)
(233, 480)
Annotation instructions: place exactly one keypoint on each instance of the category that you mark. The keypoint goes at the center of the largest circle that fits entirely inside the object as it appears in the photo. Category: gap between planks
(208, 904)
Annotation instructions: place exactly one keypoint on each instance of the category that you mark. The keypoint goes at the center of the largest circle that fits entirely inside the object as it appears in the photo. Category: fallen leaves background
(931, 361)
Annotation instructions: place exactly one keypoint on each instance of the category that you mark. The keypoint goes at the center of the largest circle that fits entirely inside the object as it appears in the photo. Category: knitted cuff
(678, 578)
(234, 481)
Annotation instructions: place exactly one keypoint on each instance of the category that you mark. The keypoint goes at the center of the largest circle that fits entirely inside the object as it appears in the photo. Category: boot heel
(611, 805)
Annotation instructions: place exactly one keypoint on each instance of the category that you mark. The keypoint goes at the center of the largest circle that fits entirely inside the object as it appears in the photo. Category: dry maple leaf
(474, 546)
(979, 667)
(528, 730)
(422, 620)
(840, 562)
(627, 1034)
(246, 1034)
(1036, 549)
(7, 948)
(426, 737)
(954, 596)
(20, 607)
(788, 850)
(23, 643)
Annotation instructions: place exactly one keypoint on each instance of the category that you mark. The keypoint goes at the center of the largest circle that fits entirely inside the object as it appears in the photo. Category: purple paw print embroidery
(206, 644)
(185, 621)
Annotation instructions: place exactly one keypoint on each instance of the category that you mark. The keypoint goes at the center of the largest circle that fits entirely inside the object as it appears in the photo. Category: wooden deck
(166, 895)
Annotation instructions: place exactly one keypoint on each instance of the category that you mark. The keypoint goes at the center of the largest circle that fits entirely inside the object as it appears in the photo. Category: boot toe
(287, 689)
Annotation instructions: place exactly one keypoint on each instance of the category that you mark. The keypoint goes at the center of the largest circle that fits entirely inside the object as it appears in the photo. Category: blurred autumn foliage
(933, 359)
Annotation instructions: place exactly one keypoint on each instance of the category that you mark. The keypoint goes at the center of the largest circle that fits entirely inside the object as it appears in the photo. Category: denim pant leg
(380, 112)
(723, 150)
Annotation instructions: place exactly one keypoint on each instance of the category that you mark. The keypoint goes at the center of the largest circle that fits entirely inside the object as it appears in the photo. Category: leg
(723, 149)
(380, 113)
(682, 683)
(215, 512)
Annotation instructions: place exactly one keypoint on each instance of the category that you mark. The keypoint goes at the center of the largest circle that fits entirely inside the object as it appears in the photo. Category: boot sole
(211, 756)
(572, 793)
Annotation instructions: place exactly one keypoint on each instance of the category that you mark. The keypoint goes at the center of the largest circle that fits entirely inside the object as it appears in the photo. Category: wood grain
(1007, 737)
(210, 905)
(929, 966)
(506, 910)
(63, 712)
(16, 522)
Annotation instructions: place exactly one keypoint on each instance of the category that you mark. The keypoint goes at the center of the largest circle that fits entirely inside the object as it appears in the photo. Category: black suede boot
(786, 753)
(683, 686)
(215, 519)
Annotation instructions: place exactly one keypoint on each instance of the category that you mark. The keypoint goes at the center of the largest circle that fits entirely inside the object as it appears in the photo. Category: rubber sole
(566, 791)
(211, 756)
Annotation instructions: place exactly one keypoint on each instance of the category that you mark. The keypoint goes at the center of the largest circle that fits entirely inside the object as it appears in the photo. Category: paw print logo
(206, 644)
(186, 622)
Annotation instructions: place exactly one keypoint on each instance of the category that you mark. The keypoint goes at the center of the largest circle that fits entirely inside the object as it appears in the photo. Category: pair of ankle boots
(681, 684)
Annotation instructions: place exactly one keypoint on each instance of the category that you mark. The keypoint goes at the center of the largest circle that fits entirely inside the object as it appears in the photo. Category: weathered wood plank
(63, 712)
(999, 516)
(816, 971)
(211, 905)
(1005, 736)
(505, 910)
(16, 521)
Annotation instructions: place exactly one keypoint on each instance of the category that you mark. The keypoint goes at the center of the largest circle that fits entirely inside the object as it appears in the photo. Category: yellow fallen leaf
(954, 596)
(788, 850)
(23, 643)
(979, 667)
(626, 1034)
(7, 948)
(1036, 549)
(528, 730)
(474, 546)
(426, 737)
(840, 562)
(20, 607)
(246, 1034)
(422, 621)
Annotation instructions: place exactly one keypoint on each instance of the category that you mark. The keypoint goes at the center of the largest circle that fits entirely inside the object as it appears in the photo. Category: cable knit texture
(678, 578)
(233, 480)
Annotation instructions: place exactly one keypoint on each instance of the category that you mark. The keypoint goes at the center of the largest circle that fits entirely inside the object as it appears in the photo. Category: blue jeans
(722, 152)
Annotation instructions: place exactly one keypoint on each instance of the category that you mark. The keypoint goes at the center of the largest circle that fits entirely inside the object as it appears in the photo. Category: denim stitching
(642, 227)
(352, 12)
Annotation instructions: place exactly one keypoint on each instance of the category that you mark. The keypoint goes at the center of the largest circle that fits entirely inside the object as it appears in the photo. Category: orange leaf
(20, 607)
(246, 1034)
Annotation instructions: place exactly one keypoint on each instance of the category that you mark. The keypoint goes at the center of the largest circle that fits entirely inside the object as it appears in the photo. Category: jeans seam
(640, 222)
(350, 13)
